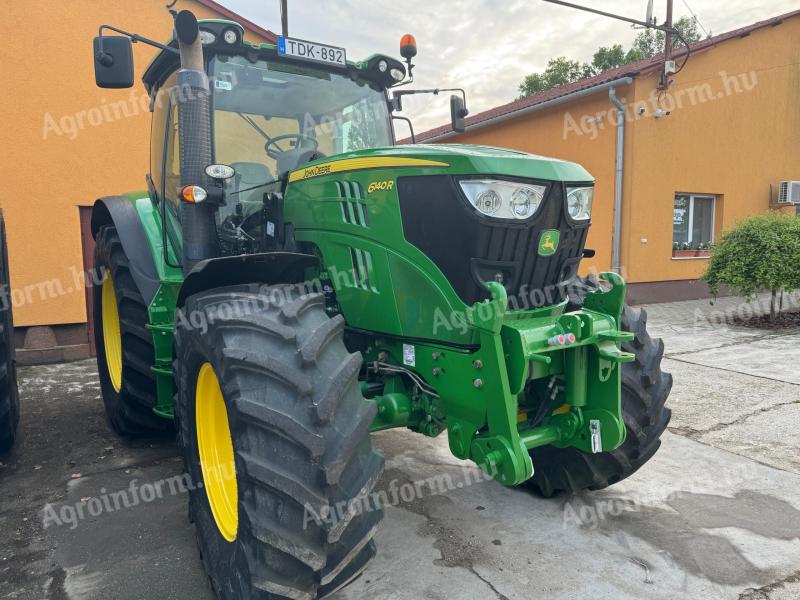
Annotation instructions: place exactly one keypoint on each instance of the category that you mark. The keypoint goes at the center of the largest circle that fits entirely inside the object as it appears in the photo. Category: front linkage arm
(481, 395)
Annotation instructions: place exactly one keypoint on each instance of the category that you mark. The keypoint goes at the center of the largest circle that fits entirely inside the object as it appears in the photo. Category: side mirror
(457, 113)
(113, 62)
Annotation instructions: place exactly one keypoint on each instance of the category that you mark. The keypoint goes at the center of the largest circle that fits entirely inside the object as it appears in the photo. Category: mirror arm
(410, 126)
(434, 91)
(135, 37)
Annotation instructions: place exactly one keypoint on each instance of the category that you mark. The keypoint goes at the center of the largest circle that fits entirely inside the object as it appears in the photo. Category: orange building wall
(58, 165)
(716, 141)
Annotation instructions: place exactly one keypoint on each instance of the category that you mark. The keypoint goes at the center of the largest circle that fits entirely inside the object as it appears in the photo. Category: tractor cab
(273, 109)
(271, 112)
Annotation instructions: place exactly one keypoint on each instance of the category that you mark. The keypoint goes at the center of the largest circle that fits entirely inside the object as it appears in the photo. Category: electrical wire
(420, 383)
(696, 20)
(688, 51)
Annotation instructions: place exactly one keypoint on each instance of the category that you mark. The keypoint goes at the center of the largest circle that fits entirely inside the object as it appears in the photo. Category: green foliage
(650, 42)
(613, 57)
(761, 252)
(562, 70)
(559, 71)
(364, 127)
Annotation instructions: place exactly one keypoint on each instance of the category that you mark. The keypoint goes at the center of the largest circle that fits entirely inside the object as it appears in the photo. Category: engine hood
(455, 159)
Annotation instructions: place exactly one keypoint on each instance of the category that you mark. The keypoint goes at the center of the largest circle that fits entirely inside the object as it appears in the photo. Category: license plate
(320, 53)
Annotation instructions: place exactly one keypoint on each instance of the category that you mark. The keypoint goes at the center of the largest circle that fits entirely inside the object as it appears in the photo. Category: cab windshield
(271, 117)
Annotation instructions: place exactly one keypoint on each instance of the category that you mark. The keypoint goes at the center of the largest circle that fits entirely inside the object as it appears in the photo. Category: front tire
(287, 395)
(9, 396)
(124, 345)
(645, 388)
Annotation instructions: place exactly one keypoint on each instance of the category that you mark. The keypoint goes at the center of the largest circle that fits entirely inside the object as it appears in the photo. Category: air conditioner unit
(789, 193)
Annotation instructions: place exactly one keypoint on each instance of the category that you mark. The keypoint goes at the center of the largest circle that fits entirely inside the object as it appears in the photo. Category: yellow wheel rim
(216, 452)
(112, 336)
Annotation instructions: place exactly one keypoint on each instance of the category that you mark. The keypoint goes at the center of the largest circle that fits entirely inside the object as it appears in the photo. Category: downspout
(616, 257)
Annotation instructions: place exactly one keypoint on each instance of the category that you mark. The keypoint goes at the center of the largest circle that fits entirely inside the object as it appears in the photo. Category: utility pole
(667, 45)
(668, 33)
(285, 18)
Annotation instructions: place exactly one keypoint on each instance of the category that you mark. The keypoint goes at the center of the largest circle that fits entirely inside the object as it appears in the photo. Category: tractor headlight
(579, 202)
(503, 199)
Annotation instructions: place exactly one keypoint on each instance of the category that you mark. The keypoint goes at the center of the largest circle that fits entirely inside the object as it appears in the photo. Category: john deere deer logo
(548, 242)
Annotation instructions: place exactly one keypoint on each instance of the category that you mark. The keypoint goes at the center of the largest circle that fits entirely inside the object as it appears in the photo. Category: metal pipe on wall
(616, 257)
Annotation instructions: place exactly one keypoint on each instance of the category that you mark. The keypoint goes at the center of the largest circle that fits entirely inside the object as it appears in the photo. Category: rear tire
(300, 437)
(645, 388)
(130, 395)
(9, 396)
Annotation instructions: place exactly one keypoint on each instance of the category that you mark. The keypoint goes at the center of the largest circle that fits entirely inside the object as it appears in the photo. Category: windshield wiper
(255, 126)
(255, 187)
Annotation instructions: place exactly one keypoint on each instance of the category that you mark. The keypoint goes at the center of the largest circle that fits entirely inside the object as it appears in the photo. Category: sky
(484, 46)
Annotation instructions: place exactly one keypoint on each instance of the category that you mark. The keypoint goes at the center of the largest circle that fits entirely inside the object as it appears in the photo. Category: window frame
(168, 210)
(694, 253)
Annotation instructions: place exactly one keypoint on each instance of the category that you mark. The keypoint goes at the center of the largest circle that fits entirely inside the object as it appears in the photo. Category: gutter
(609, 85)
(616, 236)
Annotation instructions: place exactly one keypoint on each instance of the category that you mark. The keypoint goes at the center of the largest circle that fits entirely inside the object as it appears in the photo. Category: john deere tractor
(292, 280)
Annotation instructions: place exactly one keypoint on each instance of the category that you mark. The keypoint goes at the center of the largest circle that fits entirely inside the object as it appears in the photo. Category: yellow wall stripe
(356, 164)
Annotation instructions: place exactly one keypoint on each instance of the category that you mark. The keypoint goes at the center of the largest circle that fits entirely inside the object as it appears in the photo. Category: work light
(230, 36)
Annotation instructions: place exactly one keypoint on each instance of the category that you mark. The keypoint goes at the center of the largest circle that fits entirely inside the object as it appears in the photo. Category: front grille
(470, 248)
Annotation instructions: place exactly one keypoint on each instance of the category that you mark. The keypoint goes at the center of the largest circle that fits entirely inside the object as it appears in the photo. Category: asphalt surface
(716, 514)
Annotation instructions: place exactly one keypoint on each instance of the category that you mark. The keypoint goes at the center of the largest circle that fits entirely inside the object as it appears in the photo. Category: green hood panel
(465, 159)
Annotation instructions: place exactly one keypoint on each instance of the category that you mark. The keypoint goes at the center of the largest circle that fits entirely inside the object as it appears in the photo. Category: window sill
(690, 254)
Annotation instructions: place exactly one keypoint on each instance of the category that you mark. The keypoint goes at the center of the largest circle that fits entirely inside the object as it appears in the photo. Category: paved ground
(716, 514)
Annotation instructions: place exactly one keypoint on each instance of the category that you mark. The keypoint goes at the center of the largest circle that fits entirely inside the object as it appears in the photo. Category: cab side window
(158, 125)
(172, 159)
(164, 157)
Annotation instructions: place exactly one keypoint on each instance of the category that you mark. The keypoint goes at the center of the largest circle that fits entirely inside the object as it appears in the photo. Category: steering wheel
(273, 148)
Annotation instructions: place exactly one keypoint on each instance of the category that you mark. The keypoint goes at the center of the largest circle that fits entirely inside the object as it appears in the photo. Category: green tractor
(9, 396)
(293, 281)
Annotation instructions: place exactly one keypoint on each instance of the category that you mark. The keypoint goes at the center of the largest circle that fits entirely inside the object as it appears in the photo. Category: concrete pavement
(716, 514)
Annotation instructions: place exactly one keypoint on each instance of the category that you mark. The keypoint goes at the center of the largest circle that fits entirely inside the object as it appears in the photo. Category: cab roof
(166, 61)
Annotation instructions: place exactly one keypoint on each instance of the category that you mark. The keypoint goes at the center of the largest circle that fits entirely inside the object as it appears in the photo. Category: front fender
(120, 212)
(267, 268)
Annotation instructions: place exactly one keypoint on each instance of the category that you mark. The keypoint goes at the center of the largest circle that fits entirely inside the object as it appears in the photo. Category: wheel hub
(216, 452)
(112, 336)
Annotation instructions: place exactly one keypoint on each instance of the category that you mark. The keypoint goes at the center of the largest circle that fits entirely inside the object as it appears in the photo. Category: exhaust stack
(194, 119)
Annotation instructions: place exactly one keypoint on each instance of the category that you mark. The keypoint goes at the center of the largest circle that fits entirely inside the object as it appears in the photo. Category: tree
(762, 252)
(611, 58)
(648, 43)
(364, 130)
(559, 71)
